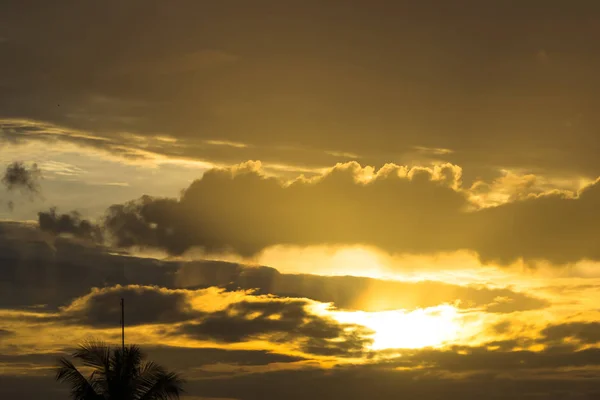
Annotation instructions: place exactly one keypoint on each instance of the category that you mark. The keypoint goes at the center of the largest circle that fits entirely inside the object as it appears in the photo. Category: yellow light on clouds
(401, 329)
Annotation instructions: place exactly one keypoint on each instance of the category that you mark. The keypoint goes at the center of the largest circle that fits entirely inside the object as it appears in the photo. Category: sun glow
(400, 329)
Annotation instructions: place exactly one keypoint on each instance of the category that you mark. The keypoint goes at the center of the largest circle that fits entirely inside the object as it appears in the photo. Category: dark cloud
(356, 383)
(350, 383)
(501, 84)
(267, 318)
(18, 176)
(31, 387)
(246, 212)
(482, 359)
(178, 358)
(199, 75)
(430, 374)
(38, 270)
(146, 222)
(145, 305)
(18, 132)
(184, 358)
(281, 321)
(583, 333)
(304, 81)
(415, 211)
(6, 333)
(451, 373)
(34, 270)
(357, 293)
(294, 160)
(50, 221)
(31, 360)
(552, 227)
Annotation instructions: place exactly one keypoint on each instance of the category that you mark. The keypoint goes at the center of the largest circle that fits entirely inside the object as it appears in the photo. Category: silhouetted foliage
(117, 375)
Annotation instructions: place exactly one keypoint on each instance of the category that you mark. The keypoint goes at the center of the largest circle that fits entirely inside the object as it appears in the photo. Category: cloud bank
(398, 209)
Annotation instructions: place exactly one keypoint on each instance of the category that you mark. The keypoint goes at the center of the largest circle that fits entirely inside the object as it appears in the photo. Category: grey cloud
(19, 176)
(383, 382)
(31, 360)
(184, 358)
(22, 178)
(481, 359)
(6, 333)
(199, 75)
(284, 160)
(357, 293)
(584, 333)
(30, 387)
(281, 321)
(350, 383)
(247, 212)
(145, 305)
(455, 373)
(272, 319)
(50, 221)
(243, 211)
(37, 270)
(178, 358)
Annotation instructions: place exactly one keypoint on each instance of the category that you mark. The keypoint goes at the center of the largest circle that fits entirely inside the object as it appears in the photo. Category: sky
(304, 199)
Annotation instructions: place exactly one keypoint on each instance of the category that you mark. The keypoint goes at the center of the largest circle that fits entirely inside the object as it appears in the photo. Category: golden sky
(315, 199)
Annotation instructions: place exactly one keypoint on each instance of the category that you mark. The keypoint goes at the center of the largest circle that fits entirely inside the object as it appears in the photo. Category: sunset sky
(304, 199)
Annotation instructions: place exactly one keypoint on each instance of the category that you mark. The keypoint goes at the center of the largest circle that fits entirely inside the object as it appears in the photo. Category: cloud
(481, 359)
(281, 320)
(244, 211)
(350, 383)
(143, 149)
(555, 227)
(123, 147)
(40, 270)
(398, 209)
(6, 333)
(305, 87)
(22, 178)
(188, 359)
(50, 221)
(193, 358)
(216, 316)
(18, 176)
(508, 380)
(31, 360)
(145, 305)
(36, 270)
(357, 293)
(581, 333)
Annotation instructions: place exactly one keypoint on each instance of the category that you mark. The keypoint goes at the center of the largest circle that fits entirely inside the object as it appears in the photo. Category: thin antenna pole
(123, 324)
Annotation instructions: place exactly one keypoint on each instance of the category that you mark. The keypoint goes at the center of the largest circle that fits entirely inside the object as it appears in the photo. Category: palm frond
(154, 383)
(94, 354)
(117, 374)
(126, 369)
(133, 359)
(81, 388)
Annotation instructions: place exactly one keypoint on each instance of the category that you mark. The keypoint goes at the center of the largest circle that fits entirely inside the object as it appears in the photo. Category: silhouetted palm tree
(117, 375)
